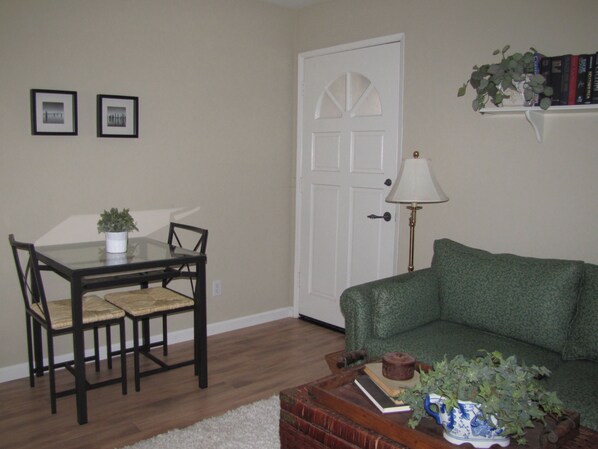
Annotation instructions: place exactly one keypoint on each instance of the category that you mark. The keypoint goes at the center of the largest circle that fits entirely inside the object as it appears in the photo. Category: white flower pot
(116, 242)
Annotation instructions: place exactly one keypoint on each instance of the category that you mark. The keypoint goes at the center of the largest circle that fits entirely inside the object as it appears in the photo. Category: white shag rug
(252, 426)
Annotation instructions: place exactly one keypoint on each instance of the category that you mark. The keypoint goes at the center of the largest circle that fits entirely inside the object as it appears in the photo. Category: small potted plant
(499, 81)
(116, 224)
(482, 401)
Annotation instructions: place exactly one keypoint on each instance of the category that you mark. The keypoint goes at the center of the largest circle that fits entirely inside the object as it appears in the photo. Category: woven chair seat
(148, 300)
(95, 309)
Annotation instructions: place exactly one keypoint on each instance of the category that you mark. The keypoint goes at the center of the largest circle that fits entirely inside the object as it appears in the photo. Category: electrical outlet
(216, 288)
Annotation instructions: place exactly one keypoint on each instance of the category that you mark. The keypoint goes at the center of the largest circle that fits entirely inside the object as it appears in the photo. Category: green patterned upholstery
(368, 308)
(393, 310)
(433, 341)
(576, 383)
(543, 311)
(532, 300)
(583, 339)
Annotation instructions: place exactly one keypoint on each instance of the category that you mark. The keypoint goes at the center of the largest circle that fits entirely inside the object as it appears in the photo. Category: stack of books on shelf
(573, 78)
(382, 391)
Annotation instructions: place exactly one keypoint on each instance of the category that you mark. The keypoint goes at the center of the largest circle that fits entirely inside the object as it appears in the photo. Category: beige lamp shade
(416, 183)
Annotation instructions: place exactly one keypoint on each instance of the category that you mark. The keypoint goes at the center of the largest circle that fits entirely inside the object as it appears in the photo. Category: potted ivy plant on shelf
(116, 224)
(482, 401)
(513, 76)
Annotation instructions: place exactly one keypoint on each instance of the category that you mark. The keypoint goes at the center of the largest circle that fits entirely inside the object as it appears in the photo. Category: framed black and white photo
(118, 116)
(53, 112)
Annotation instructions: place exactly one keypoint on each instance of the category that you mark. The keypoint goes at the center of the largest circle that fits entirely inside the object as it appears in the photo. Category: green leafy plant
(504, 389)
(495, 82)
(114, 220)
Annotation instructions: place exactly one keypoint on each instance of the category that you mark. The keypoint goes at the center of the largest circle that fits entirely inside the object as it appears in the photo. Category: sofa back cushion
(529, 299)
(583, 338)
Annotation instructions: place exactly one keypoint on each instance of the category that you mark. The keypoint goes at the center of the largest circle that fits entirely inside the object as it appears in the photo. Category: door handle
(386, 216)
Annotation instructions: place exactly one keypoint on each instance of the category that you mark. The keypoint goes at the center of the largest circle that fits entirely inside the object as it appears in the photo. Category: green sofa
(544, 311)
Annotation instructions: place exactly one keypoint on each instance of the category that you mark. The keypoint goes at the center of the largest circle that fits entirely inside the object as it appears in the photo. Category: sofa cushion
(529, 299)
(431, 342)
(583, 338)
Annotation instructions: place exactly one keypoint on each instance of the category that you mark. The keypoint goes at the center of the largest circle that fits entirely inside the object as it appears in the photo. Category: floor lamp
(415, 184)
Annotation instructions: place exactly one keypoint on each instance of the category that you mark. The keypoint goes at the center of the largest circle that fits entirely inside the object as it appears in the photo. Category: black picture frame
(117, 116)
(54, 112)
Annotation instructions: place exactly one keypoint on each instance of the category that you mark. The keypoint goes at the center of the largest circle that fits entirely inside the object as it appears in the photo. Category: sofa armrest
(382, 308)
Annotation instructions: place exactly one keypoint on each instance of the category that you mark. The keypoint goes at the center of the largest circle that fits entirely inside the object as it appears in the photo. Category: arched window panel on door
(351, 93)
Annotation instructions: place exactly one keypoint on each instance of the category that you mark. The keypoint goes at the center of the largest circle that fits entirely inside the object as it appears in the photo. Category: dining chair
(55, 316)
(152, 302)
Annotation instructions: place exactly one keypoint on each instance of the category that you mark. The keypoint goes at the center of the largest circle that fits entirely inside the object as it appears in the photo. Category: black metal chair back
(30, 279)
(188, 237)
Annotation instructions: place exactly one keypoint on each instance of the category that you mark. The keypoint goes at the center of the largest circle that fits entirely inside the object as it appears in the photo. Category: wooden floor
(244, 366)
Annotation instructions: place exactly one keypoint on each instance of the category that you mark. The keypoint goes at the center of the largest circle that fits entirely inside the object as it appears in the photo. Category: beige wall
(215, 83)
(508, 193)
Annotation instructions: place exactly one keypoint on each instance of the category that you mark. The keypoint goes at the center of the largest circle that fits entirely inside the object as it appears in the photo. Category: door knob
(388, 182)
(386, 216)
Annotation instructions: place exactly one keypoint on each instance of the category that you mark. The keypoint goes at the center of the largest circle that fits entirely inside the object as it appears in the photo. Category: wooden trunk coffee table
(333, 413)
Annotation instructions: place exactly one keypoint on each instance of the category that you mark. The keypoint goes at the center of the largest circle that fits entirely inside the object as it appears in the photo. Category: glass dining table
(87, 267)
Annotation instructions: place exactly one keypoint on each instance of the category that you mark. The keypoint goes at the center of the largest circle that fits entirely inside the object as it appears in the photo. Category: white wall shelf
(535, 115)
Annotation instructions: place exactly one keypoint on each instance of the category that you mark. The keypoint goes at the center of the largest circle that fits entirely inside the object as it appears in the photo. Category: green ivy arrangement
(492, 82)
(506, 390)
(114, 220)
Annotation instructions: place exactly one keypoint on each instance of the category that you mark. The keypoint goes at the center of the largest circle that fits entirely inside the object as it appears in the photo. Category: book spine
(545, 72)
(582, 69)
(538, 63)
(556, 72)
(589, 79)
(565, 73)
(595, 83)
(573, 79)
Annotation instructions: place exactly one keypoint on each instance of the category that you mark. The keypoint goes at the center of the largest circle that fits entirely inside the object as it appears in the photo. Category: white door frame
(400, 37)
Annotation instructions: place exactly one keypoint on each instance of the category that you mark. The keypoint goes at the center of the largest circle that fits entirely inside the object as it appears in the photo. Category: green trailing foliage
(114, 220)
(494, 82)
(504, 389)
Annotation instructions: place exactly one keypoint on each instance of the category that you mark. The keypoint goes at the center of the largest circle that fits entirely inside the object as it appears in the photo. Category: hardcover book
(586, 96)
(378, 397)
(391, 387)
(573, 79)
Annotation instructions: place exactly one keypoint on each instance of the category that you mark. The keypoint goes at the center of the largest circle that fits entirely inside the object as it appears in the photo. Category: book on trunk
(391, 387)
(379, 398)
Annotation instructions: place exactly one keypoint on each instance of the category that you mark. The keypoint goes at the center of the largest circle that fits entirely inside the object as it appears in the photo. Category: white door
(349, 148)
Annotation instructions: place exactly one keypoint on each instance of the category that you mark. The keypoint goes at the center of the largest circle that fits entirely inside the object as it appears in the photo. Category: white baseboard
(21, 370)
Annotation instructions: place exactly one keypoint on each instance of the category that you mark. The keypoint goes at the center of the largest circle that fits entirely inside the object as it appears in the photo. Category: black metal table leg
(200, 325)
(79, 349)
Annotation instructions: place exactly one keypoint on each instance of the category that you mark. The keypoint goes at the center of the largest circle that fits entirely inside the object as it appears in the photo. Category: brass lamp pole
(413, 208)
(415, 184)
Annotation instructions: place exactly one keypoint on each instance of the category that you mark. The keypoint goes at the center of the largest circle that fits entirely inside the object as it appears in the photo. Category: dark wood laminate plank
(244, 366)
